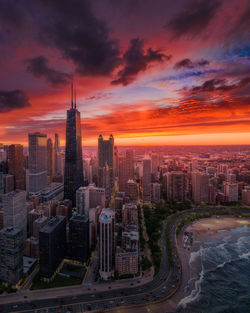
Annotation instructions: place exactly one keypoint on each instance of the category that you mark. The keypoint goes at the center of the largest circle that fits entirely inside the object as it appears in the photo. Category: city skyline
(174, 80)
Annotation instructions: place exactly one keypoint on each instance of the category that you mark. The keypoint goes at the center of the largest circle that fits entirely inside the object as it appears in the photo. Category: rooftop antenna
(72, 95)
(75, 98)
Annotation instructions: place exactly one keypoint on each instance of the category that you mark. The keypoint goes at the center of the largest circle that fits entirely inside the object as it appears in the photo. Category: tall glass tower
(73, 174)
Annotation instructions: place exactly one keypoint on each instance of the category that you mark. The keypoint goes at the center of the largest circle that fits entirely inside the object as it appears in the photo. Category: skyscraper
(11, 254)
(16, 165)
(73, 174)
(49, 160)
(79, 237)
(106, 220)
(52, 245)
(106, 163)
(14, 208)
(176, 186)
(200, 190)
(106, 151)
(146, 180)
(126, 169)
(37, 162)
(56, 151)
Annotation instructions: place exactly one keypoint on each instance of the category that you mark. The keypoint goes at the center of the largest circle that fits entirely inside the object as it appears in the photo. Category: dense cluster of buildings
(57, 203)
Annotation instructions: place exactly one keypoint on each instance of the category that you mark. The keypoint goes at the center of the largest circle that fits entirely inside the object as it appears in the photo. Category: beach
(215, 229)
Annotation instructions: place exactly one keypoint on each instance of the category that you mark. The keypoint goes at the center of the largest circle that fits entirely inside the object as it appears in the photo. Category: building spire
(72, 95)
(75, 98)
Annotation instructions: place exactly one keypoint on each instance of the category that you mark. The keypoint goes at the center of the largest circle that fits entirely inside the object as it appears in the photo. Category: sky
(149, 72)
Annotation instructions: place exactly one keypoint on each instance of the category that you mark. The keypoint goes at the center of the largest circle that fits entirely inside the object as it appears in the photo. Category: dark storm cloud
(12, 14)
(82, 38)
(187, 63)
(194, 18)
(14, 99)
(220, 85)
(136, 60)
(39, 68)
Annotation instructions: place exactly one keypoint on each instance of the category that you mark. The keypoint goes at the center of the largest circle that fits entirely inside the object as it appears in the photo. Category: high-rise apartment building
(14, 208)
(11, 255)
(126, 169)
(16, 166)
(156, 192)
(176, 186)
(50, 160)
(231, 191)
(200, 187)
(106, 257)
(146, 180)
(52, 245)
(79, 237)
(73, 174)
(131, 190)
(37, 162)
(8, 183)
(89, 197)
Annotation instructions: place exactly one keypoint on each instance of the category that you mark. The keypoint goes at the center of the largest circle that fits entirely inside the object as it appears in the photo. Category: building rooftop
(106, 214)
(52, 224)
(10, 230)
(79, 217)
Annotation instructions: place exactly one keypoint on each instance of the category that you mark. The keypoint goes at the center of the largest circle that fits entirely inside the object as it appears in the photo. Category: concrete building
(64, 208)
(106, 255)
(129, 213)
(11, 255)
(146, 180)
(38, 225)
(156, 192)
(126, 169)
(131, 190)
(200, 187)
(16, 166)
(79, 237)
(126, 263)
(37, 162)
(89, 197)
(176, 186)
(14, 210)
(231, 192)
(52, 245)
(9, 183)
(105, 180)
(246, 195)
(32, 247)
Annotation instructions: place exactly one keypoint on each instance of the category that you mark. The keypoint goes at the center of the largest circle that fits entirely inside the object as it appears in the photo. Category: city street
(74, 298)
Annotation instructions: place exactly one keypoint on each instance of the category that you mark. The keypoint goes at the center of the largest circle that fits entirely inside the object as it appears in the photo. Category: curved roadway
(163, 286)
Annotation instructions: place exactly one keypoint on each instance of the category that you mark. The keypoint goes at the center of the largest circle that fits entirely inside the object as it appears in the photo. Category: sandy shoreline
(203, 230)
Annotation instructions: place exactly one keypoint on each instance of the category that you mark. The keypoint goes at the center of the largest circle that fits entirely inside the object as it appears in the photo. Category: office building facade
(37, 162)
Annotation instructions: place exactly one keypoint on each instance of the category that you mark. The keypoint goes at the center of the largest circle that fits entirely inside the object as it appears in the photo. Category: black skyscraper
(79, 237)
(52, 245)
(73, 174)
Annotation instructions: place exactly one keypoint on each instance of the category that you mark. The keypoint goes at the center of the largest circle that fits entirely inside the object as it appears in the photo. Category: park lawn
(59, 281)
